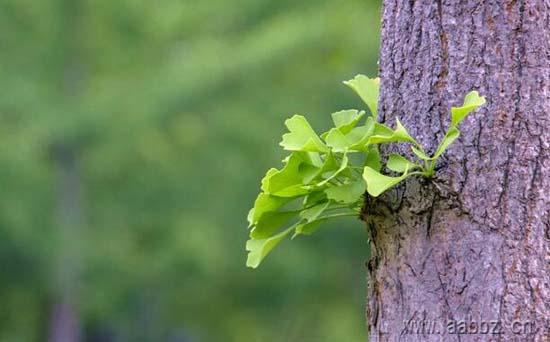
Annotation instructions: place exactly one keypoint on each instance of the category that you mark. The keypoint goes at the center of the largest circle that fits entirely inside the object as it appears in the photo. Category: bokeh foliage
(171, 109)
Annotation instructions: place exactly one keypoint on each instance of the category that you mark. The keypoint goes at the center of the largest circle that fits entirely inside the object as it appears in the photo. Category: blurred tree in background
(133, 135)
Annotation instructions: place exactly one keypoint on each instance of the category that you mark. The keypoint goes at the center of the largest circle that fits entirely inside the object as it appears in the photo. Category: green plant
(319, 181)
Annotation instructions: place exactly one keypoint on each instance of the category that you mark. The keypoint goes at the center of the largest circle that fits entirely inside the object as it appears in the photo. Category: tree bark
(470, 248)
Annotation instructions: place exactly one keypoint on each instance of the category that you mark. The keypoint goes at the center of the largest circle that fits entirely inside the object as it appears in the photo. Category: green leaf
(265, 203)
(258, 249)
(372, 159)
(337, 141)
(308, 173)
(400, 134)
(343, 165)
(289, 181)
(401, 131)
(345, 120)
(330, 163)
(398, 163)
(312, 176)
(307, 228)
(420, 153)
(381, 129)
(312, 158)
(347, 193)
(449, 138)
(312, 213)
(355, 140)
(359, 136)
(368, 89)
(314, 197)
(267, 177)
(377, 183)
(270, 222)
(301, 137)
(472, 101)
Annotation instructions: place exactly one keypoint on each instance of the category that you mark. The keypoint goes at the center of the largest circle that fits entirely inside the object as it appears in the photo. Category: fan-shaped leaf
(347, 193)
(449, 138)
(355, 140)
(307, 228)
(373, 158)
(345, 120)
(472, 101)
(290, 180)
(368, 90)
(258, 249)
(377, 183)
(343, 165)
(265, 203)
(398, 163)
(301, 136)
(400, 134)
(270, 222)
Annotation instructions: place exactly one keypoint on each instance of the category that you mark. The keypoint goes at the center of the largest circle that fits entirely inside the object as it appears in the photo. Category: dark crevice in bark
(429, 218)
(517, 108)
(442, 78)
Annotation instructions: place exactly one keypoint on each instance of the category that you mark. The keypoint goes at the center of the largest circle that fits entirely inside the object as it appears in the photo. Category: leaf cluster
(326, 175)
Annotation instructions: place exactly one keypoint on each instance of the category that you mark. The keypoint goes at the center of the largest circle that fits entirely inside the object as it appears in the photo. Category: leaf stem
(340, 206)
(338, 215)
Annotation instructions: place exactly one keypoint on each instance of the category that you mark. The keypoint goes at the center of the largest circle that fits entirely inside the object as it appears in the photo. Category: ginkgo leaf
(270, 222)
(312, 213)
(398, 163)
(319, 181)
(307, 228)
(289, 181)
(452, 134)
(472, 101)
(308, 173)
(377, 183)
(355, 140)
(381, 129)
(328, 165)
(337, 141)
(310, 219)
(258, 249)
(267, 177)
(449, 138)
(368, 89)
(314, 197)
(373, 158)
(345, 120)
(265, 203)
(400, 134)
(347, 193)
(401, 131)
(343, 165)
(301, 136)
(312, 158)
(359, 136)
(420, 153)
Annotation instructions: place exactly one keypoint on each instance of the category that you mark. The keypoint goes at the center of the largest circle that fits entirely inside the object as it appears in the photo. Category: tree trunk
(466, 256)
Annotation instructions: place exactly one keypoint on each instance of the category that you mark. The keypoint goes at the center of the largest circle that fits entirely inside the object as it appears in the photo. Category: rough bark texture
(473, 245)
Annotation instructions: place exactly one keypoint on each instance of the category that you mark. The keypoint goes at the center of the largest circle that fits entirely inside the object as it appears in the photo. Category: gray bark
(472, 245)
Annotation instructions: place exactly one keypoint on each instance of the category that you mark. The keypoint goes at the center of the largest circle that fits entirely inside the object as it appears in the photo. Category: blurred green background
(133, 136)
